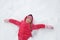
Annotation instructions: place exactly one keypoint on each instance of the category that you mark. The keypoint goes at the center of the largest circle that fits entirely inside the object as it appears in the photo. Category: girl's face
(29, 19)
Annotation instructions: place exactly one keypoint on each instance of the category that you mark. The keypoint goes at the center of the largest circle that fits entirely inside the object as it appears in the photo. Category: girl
(26, 26)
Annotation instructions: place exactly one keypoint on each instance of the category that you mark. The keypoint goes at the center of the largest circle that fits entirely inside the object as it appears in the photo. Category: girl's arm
(13, 21)
(38, 26)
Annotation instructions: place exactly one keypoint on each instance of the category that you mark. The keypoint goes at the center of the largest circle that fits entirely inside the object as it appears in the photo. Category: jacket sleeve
(14, 22)
(38, 26)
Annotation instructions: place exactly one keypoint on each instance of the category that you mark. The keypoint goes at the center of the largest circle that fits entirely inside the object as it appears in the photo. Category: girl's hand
(6, 20)
(49, 27)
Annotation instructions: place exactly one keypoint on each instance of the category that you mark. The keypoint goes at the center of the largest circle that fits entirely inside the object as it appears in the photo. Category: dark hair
(30, 15)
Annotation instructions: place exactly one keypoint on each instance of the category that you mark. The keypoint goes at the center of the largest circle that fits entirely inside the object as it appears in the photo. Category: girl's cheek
(29, 20)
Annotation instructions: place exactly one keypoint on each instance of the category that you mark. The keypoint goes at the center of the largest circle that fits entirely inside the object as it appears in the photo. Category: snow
(44, 11)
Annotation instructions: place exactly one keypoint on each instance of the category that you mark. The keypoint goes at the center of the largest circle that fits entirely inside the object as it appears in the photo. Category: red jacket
(24, 28)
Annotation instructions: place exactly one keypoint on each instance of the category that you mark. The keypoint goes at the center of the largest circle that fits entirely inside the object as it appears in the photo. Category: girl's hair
(32, 20)
(31, 15)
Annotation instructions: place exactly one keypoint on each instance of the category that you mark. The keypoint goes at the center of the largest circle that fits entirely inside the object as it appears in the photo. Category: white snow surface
(44, 11)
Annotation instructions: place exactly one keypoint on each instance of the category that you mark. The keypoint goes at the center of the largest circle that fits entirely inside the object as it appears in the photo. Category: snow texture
(44, 11)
